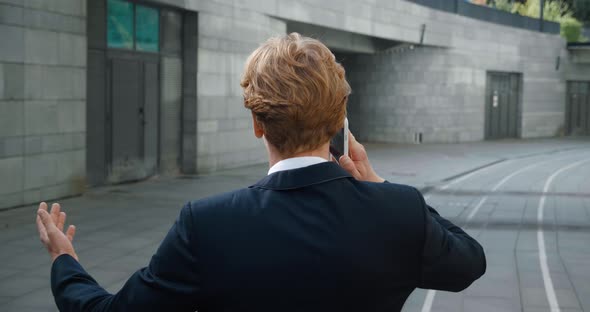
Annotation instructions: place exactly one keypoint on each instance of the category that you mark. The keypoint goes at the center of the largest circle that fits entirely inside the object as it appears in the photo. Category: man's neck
(274, 157)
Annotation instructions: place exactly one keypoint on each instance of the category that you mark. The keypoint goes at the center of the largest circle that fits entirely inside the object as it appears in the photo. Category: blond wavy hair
(296, 91)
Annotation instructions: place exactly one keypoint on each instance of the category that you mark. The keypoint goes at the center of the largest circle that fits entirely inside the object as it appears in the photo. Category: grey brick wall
(437, 89)
(440, 92)
(227, 36)
(420, 90)
(577, 65)
(42, 100)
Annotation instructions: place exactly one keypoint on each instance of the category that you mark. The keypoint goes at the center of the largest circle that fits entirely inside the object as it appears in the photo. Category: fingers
(51, 221)
(71, 232)
(348, 165)
(40, 227)
(357, 150)
(43, 205)
(42, 231)
(61, 221)
(55, 209)
(351, 139)
(47, 221)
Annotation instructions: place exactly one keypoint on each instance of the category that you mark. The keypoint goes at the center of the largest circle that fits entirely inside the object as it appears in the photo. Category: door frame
(98, 132)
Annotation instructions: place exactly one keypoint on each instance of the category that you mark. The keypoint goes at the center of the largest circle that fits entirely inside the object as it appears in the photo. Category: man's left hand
(50, 226)
(357, 164)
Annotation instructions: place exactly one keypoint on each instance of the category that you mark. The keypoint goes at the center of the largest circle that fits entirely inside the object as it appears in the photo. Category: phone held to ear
(339, 143)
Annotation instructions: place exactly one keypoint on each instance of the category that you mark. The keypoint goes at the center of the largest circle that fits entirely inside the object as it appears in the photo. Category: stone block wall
(544, 87)
(227, 35)
(437, 88)
(576, 65)
(42, 100)
(440, 91)
(396, 95)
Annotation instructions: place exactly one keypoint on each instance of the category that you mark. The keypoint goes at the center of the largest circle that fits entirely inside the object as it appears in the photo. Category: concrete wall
(227, 36)
(421, 90)
(42, 100)
(440, 92)
(437, 89)
(577, 64)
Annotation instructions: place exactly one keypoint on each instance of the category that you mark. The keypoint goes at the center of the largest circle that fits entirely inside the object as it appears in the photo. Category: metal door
(578, 108)
(502, 105)
(133, 114)
(126, 124)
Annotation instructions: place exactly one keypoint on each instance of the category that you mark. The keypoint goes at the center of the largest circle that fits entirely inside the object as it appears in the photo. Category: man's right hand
(51, 231)
(357, 164)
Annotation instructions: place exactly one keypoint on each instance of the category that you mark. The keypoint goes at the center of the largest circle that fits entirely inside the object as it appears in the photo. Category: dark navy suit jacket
(308, 239)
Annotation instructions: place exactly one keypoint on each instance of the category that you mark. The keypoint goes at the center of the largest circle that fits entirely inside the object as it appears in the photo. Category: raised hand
(357, 164)
(50, 226)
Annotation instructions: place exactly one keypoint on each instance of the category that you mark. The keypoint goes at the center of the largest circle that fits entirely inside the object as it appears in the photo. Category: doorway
(578, 108)
(502, 105)
(132, 116)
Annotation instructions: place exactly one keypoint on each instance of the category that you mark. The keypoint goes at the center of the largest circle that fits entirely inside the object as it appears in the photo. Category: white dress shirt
(295, 162)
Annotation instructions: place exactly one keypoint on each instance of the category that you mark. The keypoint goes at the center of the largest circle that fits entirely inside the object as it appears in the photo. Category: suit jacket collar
(301, 177)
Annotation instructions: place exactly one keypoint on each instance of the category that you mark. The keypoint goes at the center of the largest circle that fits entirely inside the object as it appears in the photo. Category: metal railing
(488, 14)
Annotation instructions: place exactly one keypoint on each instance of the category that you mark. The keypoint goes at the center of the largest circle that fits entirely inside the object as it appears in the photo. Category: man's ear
(258, 131)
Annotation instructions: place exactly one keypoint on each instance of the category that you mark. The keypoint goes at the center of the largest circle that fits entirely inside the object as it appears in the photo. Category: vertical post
(541, 9)
(189, 92)
(422, 29)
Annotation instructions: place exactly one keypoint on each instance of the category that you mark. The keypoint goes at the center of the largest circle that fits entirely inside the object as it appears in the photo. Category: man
(310, 236)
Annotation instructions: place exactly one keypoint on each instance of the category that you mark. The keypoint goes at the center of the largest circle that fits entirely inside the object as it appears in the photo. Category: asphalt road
(532, 216)
(496, 190)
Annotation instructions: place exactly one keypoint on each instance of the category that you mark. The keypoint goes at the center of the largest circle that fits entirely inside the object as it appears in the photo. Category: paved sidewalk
(119, 227)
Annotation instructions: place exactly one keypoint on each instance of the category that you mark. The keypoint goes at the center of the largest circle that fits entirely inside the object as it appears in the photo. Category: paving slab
(112, 241)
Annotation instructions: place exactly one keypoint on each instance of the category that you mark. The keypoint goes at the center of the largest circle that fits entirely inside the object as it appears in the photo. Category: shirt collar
(301, 177)
(295, 163)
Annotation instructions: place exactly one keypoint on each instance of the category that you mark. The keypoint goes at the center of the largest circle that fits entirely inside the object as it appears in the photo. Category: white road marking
(429, 299)
(465, 177)
(497, 186)
(547, 281)
(469, 175)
